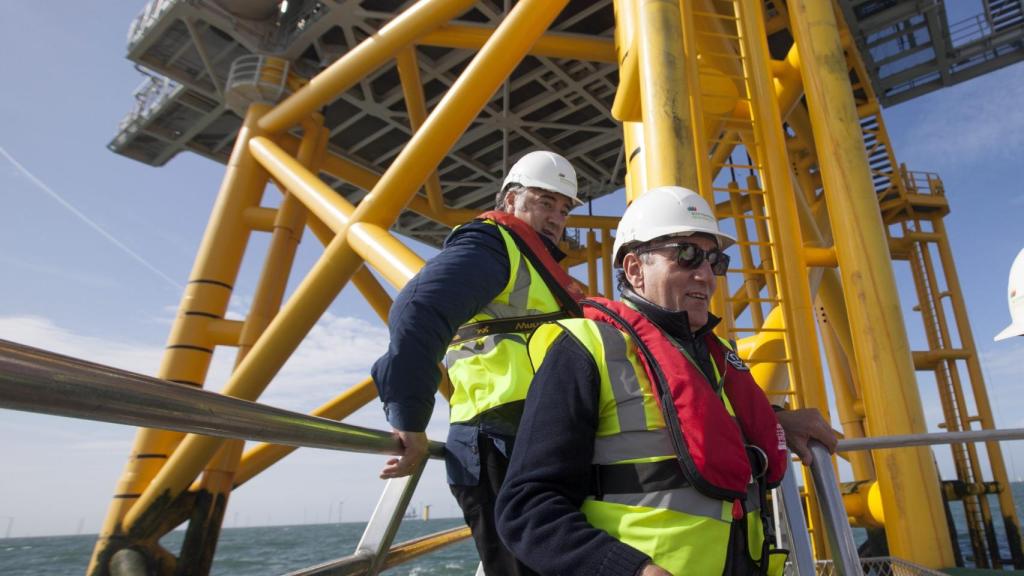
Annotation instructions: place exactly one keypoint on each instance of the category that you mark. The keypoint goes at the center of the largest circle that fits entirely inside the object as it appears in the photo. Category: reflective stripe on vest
(493, 370)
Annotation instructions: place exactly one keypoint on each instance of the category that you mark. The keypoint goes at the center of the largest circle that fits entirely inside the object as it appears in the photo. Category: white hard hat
(544, 170)
(666, 211)
(1015, 295)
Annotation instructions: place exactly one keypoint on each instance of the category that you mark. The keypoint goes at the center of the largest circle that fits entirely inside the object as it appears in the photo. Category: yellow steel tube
(592, 263)
(260, 218)
(695, 96)
(223, 332)
(407, 551)
(415, 104)
(846, 397)
(262, 456)
(397, 263)
(357, 63)
(669, 147)
(363, 279)
(366, 179)
(820, 257)
(207, 513)
(907, 477)
(607, 241)
(208, 292)
(392, 258)
(750, 286)
(626, 106)
(550, 45)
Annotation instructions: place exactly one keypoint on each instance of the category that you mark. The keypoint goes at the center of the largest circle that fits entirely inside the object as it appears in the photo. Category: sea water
(275, 550)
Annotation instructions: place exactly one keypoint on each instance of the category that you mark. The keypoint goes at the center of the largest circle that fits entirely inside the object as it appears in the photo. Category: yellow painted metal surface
(908, 478)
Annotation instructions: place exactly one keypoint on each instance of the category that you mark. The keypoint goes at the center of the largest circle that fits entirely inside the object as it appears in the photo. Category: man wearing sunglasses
(645, 446)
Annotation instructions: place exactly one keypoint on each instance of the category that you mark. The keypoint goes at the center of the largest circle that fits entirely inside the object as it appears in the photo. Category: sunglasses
(690, 256)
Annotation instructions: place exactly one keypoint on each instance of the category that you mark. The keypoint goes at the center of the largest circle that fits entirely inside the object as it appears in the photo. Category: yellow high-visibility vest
(493, 369)
(682, 530)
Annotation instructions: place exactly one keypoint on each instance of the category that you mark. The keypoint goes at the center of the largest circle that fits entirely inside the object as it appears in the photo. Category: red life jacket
(530, 243)
(708, 443)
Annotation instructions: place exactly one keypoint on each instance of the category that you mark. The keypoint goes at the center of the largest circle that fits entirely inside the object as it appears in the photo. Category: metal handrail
(792, 509)
(35, 380)
(833, 512)
(930, 439)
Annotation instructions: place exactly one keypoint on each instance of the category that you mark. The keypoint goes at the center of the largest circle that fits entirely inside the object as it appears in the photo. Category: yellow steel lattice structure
(755, 104)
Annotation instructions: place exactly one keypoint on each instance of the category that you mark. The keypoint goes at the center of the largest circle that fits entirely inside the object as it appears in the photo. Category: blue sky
(68, 288)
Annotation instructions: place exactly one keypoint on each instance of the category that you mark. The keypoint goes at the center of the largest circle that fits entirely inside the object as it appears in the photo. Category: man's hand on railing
(414, 452)
(804, 425)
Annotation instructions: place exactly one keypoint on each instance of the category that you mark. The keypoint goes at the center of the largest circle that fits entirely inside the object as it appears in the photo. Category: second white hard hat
(544, 170)
(666, 211)
(1015, 296)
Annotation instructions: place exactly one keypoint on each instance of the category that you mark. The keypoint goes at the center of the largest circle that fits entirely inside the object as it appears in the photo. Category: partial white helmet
(1015, 295)
(544, 170)
(666, 211)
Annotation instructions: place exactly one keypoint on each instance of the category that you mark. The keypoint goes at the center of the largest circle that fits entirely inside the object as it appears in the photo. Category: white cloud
(43, 333)
(336, 354)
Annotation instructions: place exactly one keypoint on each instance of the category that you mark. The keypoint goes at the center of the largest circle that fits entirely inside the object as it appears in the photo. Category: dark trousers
(477, 503)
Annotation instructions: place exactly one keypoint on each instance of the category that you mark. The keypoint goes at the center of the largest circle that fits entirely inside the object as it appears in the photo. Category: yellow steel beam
(407, 551)
(360, 61)
(397, 263)
(415, 105)
(260, 218)
(223, 332)
(393, 259)
(367, 179)
(550, 45)
(363, 279)
(820, 257)
(217, 479)
(669, 147)
(186, 360)
(908, 478)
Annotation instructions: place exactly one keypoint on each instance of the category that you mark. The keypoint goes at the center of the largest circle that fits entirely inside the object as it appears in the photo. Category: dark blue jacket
(470, 271)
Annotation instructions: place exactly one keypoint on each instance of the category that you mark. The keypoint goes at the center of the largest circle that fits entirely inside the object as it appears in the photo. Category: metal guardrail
(833, 513)
(930, 439)
(35, 380)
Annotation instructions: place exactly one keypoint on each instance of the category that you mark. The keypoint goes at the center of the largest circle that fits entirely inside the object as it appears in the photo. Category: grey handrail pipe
(793, 510)
(34, 380)
(929, 439)
(833, 513)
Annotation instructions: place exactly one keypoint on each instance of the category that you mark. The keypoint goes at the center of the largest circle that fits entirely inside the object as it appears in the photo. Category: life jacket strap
(523, 324)
(637, 478)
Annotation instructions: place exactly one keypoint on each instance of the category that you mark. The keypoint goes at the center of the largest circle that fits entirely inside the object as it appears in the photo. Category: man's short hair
(499, 199)
(620, 278)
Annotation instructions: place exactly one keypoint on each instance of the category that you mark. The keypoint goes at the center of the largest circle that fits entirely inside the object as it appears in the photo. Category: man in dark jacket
(473, 305)
(628, 452)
